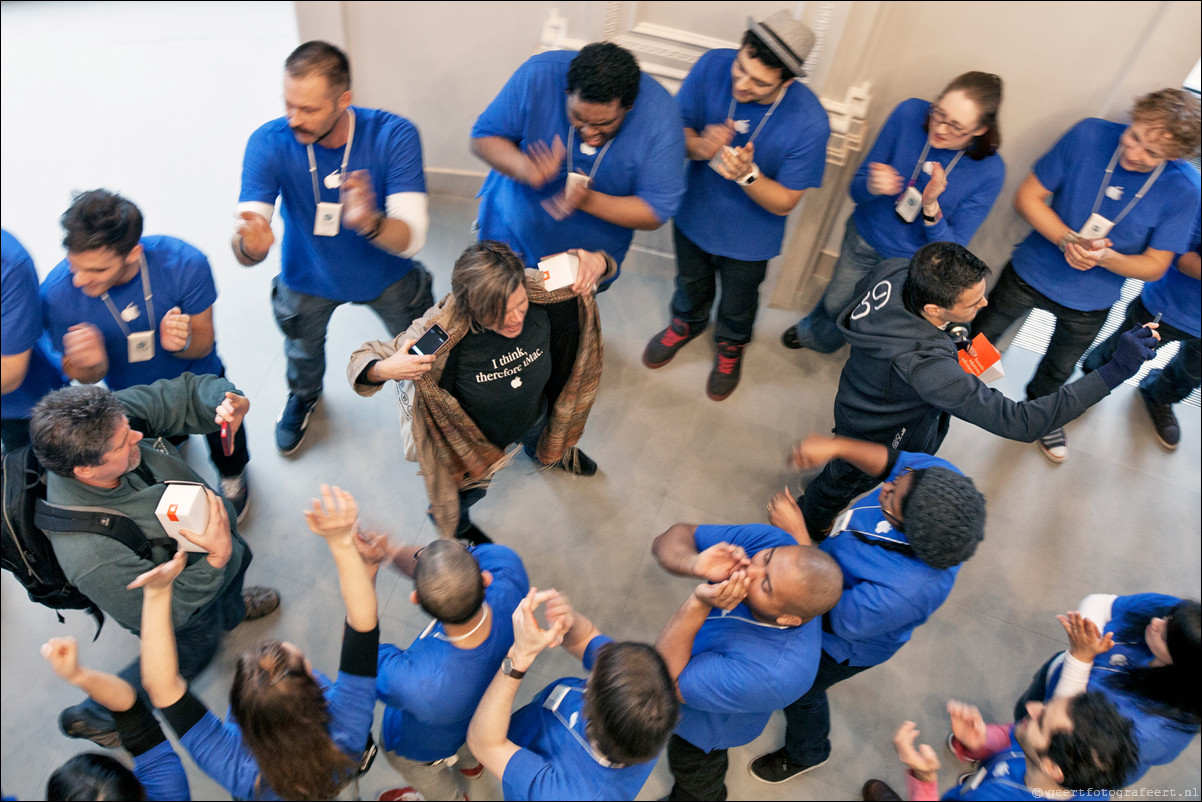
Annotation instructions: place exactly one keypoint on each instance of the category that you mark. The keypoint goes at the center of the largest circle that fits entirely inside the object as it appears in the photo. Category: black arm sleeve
(362, 377)
(185, 714)
(359, 651)
(139, 729)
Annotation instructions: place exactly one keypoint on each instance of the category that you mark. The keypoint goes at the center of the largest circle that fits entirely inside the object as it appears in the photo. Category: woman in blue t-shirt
(1142, 652)
(292, 734)
(914, 187)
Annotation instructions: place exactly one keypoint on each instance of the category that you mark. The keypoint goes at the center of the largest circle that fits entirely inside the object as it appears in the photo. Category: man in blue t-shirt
(131, 310)
(331, 165)
(1178, 299)
(745, 643)
(618, 171)
(1107, 203)
(432, 688)
(756, 140)
(900, 550)
(30, 371)
(1070, 748)
(578, 739)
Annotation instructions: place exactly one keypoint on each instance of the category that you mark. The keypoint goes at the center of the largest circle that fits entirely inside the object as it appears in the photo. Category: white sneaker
(1054, 446)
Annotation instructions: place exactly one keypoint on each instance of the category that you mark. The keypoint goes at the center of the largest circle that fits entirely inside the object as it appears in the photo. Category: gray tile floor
(1120, 516)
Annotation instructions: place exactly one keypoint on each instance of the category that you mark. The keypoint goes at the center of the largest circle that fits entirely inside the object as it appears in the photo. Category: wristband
(932, 219)
(246, 253)
(750, 178)
(375, 229)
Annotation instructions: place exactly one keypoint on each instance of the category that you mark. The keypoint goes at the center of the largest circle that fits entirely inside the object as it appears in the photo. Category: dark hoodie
(903, 379)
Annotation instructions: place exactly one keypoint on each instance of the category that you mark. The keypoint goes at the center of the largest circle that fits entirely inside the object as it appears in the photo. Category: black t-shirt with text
(499, 381)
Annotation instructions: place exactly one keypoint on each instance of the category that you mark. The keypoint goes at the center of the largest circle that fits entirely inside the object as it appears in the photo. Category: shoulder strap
(108, 523)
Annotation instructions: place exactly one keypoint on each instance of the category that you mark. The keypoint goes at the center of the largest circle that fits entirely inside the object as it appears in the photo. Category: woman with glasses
(932, 175)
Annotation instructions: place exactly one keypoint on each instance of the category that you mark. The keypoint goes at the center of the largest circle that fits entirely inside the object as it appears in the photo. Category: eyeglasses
(939, 117)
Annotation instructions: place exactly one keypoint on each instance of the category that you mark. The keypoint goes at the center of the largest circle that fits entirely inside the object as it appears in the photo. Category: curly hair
(1174, 113)
(602, 73)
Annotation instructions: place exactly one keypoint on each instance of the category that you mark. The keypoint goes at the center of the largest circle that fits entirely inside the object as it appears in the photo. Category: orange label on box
(172, 512)
(987, 364)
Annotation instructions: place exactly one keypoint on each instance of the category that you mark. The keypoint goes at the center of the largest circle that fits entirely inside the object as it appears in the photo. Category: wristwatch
(508, 670)
(750, 177)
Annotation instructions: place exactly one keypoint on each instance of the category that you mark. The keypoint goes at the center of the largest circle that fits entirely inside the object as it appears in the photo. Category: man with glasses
(332, 165)
(1109, 202)
(900, 549)
(756, 140)
(432, 688)
(584, 149)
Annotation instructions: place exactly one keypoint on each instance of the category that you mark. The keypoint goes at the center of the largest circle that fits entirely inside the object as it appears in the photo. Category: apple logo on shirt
(882, 527)
(516, 383)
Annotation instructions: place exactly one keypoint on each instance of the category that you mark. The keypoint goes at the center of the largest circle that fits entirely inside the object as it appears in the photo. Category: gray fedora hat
(789, 39)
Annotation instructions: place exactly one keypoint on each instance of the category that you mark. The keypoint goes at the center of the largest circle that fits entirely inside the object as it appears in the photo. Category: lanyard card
(140, 345)
(908, 204)
(1096, 227)
(329, 217)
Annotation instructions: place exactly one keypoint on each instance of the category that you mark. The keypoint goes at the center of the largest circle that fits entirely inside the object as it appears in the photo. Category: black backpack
(27, 552)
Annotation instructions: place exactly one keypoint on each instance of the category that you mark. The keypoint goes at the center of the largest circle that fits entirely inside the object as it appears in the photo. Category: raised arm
(676, 551)
(334, 518)
(578, 630)
(675, 641)
(107, 690)
(160, 662)
(534, 168)
(488, 733)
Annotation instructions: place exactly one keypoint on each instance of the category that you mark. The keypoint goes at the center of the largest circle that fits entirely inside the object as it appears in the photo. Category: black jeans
(1163, 386)
(232, 465)
(1075, 330)
(829, 493)
(697, 274)
(809, 718)
(696, 774)
(529, 441)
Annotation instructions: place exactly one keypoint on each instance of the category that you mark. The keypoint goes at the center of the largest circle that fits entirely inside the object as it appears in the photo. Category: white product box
(184, 506)
(559, 270)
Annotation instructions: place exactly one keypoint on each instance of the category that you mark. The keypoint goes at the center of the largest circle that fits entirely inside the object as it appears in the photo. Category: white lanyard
(572, 150)
(147, 295)
(346, 155)
(844, 523)
(922, 157)
(456, 638)
(730, 113)
(726, 615)
(554, 699)
(1106, 185)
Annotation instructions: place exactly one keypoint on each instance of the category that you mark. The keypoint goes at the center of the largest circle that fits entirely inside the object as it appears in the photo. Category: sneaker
(775, 767)
(573, 461)
(1164, 423)
(86, 722)
(290, 426)
(1054, 446)
(400, 795)
(473, 773)
(260, 602)
(789, 339)
(724, 378)
(879, 791)
(664, 345)
(234, 490)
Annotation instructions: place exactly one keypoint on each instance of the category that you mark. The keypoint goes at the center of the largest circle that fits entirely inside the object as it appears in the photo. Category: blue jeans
(1163, 386)
(529, 441)
(697, 275)
(817, 330)
(1074, 332)
(304, 318)
(808, 720)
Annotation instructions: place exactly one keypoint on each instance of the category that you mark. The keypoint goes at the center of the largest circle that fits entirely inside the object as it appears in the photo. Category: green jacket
(100, 566)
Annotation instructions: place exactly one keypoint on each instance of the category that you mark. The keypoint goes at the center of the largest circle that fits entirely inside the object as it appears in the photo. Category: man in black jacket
(903, 380)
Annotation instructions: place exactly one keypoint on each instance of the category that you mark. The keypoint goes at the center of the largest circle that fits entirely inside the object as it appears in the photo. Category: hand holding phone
(431, 342)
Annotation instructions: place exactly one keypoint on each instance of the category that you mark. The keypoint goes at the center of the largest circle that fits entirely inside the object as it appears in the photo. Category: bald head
(448, 582)
(792, 584)
(821, 583)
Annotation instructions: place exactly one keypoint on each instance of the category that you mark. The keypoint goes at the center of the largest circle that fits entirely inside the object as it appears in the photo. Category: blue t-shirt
(1002, 776)
(886, 594)
(1178, 296)
(217, 746)
(972, 188)
(645, 160)
(556, 760)
(179, 276)
(1160, 738)
(432, 688)
(742, 669)
(21, 322)
(1074, 170)
(790, 149)
(162, 774)
(346, 267)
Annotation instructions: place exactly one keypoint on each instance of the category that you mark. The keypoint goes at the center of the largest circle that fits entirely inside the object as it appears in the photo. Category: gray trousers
(433, 780)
